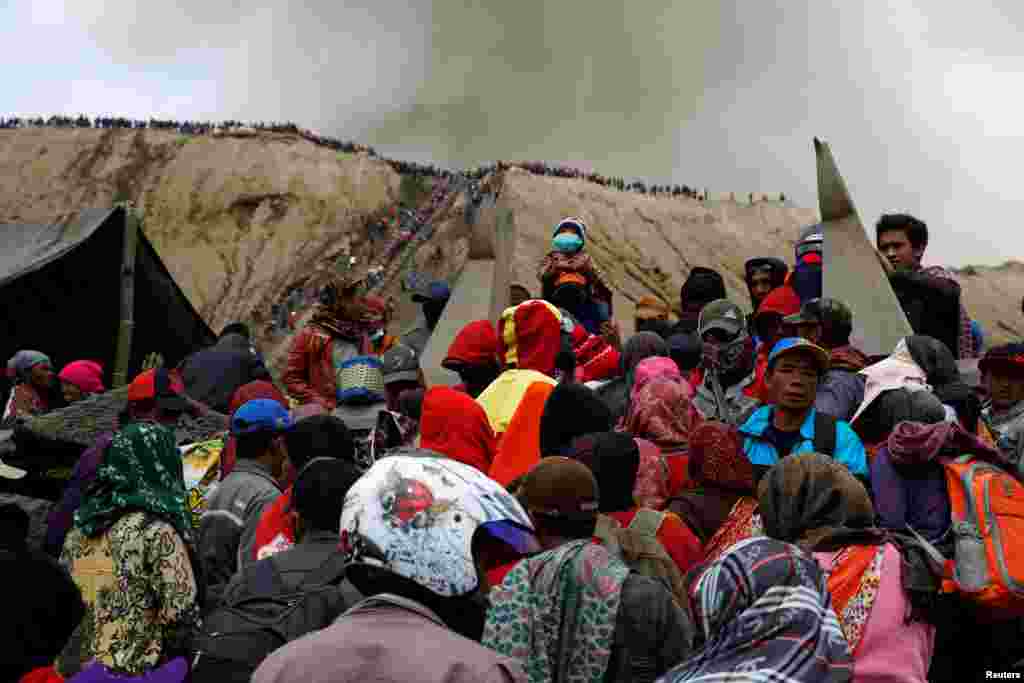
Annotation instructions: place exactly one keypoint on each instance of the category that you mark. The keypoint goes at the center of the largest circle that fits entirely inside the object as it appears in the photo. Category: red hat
(160, 385)
(782, 300)
(87, 375)
(475, 344)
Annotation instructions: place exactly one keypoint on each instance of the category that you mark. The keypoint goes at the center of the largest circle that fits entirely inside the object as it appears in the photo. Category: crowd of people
(412, 168)
(721, 497)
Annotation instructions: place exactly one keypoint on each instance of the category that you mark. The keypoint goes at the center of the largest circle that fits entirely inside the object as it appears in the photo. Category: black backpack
(825, 436)
(238, 636)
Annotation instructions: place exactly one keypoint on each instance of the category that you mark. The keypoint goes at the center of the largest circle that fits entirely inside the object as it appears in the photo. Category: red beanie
(87, 375)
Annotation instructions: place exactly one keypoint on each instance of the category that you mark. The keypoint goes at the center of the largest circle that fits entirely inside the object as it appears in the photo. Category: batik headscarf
(652, 368)
(766, 615)
(555, 612)
(19, 367)
(329, 315)
(142, 470)
(662, 413)
(653, 480)
(816, 503)
(721, 506)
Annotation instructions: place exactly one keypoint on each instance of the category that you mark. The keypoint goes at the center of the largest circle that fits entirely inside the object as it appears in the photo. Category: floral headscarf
(652, 368)
(555, 612)
(19, 367)
(652, 487)
(717, 458)
(142, 470)
(766, 615)
(662, 413)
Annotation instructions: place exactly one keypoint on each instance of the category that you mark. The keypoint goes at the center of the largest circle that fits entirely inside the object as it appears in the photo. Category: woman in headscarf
(917, 364)
(80, 379)
(244, 394)
(614, 458)
(338, 331)
(32, 374)
(661, 412)
(455, 425)
(722, 507)
(817, 504)
(128, 554)
(763, 612)
(615, 393)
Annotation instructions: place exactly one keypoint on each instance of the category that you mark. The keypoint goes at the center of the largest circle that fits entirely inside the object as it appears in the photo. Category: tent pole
(127, 318)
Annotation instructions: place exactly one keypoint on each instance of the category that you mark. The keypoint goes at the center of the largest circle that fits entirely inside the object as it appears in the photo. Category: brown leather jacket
(309, 376)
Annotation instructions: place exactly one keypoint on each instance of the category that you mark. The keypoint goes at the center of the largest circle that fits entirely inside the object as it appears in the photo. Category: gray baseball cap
(721, 315)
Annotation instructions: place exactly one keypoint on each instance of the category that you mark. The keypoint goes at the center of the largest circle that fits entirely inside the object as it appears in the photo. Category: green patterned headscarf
(555, 613)
(141, 471)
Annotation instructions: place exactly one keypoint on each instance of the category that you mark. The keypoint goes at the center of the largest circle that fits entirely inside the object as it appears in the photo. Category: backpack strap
(329, 572)
(825, 436)
(647, 521)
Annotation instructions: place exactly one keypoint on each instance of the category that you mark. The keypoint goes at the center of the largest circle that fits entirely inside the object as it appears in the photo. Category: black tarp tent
(61, 290)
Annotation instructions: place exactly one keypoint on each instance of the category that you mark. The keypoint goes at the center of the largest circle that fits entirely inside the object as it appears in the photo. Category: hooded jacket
(475, 344)
(212, 376)
(529, 339)
(455, 425)
(841, 390)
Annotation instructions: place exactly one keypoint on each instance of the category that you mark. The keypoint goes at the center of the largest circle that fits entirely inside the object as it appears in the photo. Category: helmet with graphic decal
(422, 526)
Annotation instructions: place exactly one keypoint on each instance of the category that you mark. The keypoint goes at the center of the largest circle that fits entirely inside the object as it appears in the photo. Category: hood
(571, 410)
(702, 285)
(475, 344)
(847, 358)
(529, 336)
(782, 300)
(455, 425)
(234, 342)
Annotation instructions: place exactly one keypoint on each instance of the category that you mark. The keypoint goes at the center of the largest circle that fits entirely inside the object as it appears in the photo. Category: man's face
(897, 249)
(1005, 390)
(793, 382)
(760, 285)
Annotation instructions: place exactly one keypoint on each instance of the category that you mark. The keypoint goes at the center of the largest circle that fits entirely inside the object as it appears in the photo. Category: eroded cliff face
(236, 219)
(239, 219)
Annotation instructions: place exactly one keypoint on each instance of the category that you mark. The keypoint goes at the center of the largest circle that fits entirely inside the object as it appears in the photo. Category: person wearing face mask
(570, 279)
(378, 311)
(725, 392)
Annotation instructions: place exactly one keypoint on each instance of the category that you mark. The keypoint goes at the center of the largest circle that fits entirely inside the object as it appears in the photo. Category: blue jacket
(849, 449)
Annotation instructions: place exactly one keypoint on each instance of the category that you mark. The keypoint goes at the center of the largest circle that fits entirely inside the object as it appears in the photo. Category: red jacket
(309, 376)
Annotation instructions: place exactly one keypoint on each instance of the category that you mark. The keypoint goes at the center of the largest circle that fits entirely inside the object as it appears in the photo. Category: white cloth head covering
(898, 371)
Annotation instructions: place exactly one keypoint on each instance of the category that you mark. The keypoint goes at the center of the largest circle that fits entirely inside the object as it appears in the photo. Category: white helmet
(415, 515)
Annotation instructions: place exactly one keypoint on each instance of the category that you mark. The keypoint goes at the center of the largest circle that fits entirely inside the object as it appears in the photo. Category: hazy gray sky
(921, 101)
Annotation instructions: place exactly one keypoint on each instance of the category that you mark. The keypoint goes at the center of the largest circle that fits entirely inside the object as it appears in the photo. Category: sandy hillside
(238, 219)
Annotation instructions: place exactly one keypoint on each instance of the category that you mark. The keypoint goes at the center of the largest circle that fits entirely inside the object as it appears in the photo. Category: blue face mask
(567, 243)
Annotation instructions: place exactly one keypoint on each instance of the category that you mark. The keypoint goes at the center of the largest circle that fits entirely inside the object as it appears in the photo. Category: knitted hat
(361, 380)
(703, 285)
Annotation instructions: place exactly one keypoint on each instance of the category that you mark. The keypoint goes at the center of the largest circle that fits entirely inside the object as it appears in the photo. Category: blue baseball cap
(261, 415)
(797, 345)
(435, 291)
